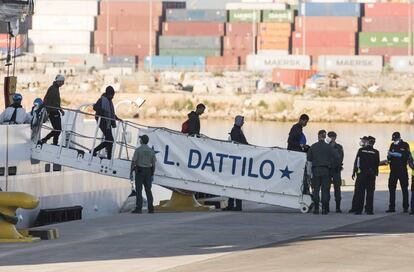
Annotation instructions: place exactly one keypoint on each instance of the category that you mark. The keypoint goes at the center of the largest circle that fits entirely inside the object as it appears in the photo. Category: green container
(278, 16)
(190, 52)
(382, 39)
(244, 16)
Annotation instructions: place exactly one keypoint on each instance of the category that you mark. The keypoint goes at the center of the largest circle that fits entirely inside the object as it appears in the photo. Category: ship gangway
(199, 164)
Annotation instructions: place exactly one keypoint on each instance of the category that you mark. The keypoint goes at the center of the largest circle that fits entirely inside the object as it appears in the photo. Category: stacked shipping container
(387, 30)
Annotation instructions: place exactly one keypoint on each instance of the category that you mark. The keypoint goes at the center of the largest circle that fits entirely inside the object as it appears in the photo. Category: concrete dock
(261, 238)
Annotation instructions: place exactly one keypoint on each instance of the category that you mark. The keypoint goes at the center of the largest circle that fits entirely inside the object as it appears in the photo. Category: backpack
(185, 127)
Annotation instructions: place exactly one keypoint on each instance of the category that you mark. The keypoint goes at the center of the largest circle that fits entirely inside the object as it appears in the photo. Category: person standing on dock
(52, 103)
(336, 179)
(297, 140)
(143, 164)
(363, 142)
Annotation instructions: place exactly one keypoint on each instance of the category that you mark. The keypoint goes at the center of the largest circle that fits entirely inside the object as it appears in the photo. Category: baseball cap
(144, 139)
(59, 78)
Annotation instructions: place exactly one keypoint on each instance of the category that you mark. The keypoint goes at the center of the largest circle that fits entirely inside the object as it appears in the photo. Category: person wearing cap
(297, 140)
(320, 158)
(336, 169)
(143, 164)
(104, 109)
(366, 170)
(237, 136)
(38, 118)
(52, 103)
(362, 143)
(15, 113)
(398, 155)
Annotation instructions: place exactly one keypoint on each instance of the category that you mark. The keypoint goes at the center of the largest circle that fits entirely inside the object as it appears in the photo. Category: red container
(241, 53)
(388, 9)
(142, 52)
(296, 78)
(239, 42)
(222, 63)
(124, 38)
(387, 52)
(130, 8)
(324, 39)
(4, 40)
(192, 29)
(240, 29)
(318, 51)
(125, 23)
(385, 24)
(348, 24)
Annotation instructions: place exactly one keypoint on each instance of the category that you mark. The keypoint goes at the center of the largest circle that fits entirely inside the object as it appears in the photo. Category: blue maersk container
(330, 9)
(199, 15)
(158, 62)
(189, 62)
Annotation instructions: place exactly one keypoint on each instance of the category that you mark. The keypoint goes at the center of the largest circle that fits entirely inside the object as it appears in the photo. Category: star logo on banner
(156, 151)
(286, 172)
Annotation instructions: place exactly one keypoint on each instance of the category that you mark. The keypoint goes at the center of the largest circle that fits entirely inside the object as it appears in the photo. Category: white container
(256, 6)
(350, 63)
(60, 49)
(66, 7)
(273, 52)
(55, 37)
(402, 64)
(268, 62)
(50, 22)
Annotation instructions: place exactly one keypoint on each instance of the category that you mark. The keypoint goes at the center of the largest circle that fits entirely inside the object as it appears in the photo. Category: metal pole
(94, 139)
(6, 170)
(114, 144)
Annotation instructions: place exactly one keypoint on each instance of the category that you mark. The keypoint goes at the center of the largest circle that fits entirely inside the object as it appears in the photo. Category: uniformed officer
(411, 164)
(366, 170)
(336, 169)
(320, 157)
(363, 142)
(143, 163)
(398, 155)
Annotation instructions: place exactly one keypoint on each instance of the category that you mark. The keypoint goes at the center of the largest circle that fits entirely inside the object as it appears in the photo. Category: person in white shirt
(15, 113)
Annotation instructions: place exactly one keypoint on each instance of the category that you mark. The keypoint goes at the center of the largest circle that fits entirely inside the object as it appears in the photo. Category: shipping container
(270, 16)
(291, 77)
(402, 64)
(138, 8)
(350, 63)
(330, 9)
(273, 42)
(386, 52)
(19, 40)
(207, 4)
(241, 29)
(275, 29)
(388, 9)
(182, 42)
(240, 53)
(222, 63)
(125, 38)
(192, 29)
(383, 39)
(121, 61)
(189, 52)
(324, 39)
(267, 62)
(60, 37)
(128, 23)
(50, 22)
(244, 16)
(318, 51)
(60, 49)
(239, 42)
(111, 50)
(386, 24)
(256, 6)
(66, 8)
(189, 62)
(183, 15)
(326, 23)
(273, 52)
(158, 63)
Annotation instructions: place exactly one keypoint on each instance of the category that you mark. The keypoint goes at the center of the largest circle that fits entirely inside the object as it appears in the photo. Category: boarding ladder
(75, 145)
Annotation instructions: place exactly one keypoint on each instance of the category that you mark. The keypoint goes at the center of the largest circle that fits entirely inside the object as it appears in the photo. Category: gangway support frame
(182, 202)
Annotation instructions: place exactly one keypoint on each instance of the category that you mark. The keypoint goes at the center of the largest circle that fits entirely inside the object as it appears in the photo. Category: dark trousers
(353, 207)
(402, 176)
(143, 178)
(320, 183)
(412, 193)
(336, 180)
(235, 204)
(365, 184)
(107, 143)
(54, 117)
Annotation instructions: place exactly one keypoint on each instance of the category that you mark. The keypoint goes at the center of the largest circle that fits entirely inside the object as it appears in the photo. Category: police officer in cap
(398, 156)
(366, 170)
(336, 169)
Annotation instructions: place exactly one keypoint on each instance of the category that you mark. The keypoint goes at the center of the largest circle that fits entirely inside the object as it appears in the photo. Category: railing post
(123, 138)
(94, 139)
(63, 138)
(73, 128)
(114, 144)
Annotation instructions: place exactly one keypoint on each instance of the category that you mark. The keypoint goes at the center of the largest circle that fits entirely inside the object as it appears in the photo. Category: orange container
(222, 63)
(127, 23)
(295, 78)
(273, 43)
(275, 29)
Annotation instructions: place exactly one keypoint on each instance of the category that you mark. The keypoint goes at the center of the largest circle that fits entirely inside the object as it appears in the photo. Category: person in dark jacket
(411, 164)
(366, 170)
(363, 143)
(398, 155)
(336, 179)
(237, 136)
(53, 108)
(104, 108)
(194, 120)
(297, 140)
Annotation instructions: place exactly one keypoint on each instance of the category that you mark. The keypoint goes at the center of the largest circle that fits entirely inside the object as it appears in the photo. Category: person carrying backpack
(192, 125)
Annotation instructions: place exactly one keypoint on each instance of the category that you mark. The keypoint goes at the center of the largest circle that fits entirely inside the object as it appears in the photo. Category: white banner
(226, 164)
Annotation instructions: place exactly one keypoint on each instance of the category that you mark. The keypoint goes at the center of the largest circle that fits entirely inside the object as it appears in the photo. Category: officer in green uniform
(336, 170)
(143, 163)
(411, 164)
(320, 156)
